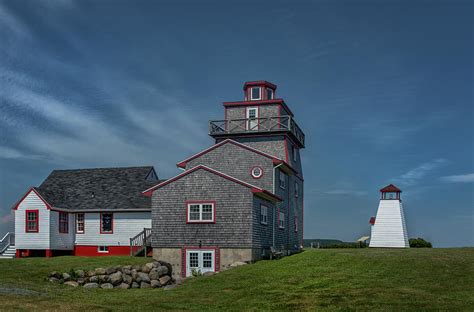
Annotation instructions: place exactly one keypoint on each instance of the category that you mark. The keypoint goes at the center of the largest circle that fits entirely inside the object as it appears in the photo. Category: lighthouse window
(282, 179)
(255, 94)
(269, 94)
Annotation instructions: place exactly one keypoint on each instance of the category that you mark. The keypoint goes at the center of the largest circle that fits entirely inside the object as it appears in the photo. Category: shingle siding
(233, 217)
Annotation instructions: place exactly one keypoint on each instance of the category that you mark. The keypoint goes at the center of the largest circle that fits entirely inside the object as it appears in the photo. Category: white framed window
(103, 249)
(263, 214)
(296, 189)
(63, 222)
(252, 118)
(282, 179)
(296, 224)
(281, 220)
(79, 223)
(269, 94)
(293, 152)
(200, 212)
(255, 93)
(257, 172)
(200, 260)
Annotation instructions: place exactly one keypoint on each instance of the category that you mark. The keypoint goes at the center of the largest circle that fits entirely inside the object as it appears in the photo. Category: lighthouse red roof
(390, 188)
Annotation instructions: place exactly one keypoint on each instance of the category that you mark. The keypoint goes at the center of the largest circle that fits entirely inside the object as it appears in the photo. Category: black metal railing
(140, 242)
(263, 124)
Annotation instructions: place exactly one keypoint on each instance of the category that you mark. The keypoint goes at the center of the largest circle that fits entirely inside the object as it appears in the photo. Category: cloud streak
(413, 176)
(461, 178)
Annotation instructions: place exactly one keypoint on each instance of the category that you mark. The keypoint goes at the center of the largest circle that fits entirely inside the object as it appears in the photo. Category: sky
(382, 89)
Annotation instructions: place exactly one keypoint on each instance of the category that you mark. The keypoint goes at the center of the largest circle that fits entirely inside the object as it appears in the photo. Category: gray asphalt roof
(99, 188)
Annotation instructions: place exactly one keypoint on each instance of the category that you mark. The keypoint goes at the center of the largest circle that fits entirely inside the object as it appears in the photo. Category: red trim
(260, 102)
(372, 221)
(48, 206)
(390, 188)
(49, 253)
(18, 253)
(66, 230)
(83, 223)
(262, 83)
(93, 251)
(36, 230)
(202, 248)
(190, 202)
(254, 189)
(111, 232)
(261, 174)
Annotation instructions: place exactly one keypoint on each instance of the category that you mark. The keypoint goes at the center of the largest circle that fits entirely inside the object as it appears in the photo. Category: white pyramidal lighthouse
(388, 227)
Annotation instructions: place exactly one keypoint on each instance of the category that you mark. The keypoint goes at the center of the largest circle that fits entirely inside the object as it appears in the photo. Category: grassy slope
(348, 279)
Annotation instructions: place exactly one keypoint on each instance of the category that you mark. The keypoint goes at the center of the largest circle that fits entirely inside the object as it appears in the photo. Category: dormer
(390, 192)
(259, 91)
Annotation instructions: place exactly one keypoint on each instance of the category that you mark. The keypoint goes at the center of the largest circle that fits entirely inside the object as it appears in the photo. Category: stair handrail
(7, 241)
(140, 240)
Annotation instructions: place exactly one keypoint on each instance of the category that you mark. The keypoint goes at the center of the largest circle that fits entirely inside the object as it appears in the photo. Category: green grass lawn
(331, 279)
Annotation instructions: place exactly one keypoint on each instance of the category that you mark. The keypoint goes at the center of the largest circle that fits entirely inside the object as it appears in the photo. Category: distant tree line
(419, 243)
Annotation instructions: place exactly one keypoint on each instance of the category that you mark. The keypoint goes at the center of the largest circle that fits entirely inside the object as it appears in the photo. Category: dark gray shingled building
(242, 198)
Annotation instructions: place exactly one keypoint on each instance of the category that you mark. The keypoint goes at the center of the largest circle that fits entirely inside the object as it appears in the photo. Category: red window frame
(112, 223)
(63, 218)
(36, 221)
(83, 222)
(201, 202)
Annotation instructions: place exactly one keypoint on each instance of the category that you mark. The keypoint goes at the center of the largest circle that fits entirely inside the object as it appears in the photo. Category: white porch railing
(7, 241)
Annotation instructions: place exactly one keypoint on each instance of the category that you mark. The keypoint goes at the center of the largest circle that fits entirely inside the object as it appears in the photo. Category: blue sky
(383, 91)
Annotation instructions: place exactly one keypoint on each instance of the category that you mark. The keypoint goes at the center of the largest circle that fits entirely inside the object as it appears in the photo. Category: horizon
(383, 93)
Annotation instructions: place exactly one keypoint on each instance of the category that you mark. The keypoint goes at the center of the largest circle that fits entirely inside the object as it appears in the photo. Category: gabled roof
(97, 189)
(276, 160)
(256, 190)
(390, 188)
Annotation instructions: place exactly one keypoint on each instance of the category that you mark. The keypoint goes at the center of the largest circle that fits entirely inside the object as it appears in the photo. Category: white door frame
(200, 260)
(251, 124)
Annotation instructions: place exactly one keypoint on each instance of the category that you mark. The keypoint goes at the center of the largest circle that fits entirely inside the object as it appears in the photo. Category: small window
(296, 224)
(103, 249)
(281, 220)
(269, 94)
(80, 223)
(263, 215)
(63, 222)
(255, 93)
(293, 152)
(200, 212)
(31, 221)
(282, 179)
(257, 172)
(296, 189)
(207, 260)
(106, 223)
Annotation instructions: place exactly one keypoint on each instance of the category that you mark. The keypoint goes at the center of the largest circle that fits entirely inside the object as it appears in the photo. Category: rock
(123, 286)
(155, 284)
(54, 279)
(237, 264)
(55, 274)
(79, 273)
(178, 280)
(156, 264)
(91, 285)
(163, 270)
(127, 278)
(66, 277)
(115, 278)
(104, 278)
(136, 268)
(143, 277)
(71, 283)
(81, 281)
(144, 285)
(165, 280)
(110, 270)
(127, 271)
(134, 274)
(94, 279)
(146, 269)
(100, 271)
(168, 265)
(107, 286)
(135, 285)
(91, 273)
(168, 287)
(118, 267)
(126, 267)
(208, 273)
(154, 275)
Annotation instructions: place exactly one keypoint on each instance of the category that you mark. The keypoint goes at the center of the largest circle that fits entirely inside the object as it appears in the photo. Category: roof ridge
(103, 168)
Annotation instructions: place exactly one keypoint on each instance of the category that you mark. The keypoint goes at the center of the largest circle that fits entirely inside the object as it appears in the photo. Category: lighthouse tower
(389, 228)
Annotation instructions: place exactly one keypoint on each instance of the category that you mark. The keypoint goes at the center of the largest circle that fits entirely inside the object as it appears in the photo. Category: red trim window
(106, 223)
(63, 222)
(31, 221)
(256, 172)
(263, 214)
(200, 212)
(80, 223)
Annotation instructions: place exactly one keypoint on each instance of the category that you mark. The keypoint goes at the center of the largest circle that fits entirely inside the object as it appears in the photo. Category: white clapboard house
(388, 227)
(85, 212)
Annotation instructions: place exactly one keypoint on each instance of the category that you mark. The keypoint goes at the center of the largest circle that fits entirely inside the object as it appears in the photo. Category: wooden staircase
(7, 246)
(140, 243)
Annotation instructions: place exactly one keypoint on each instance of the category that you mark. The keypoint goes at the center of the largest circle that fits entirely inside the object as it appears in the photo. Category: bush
(419, 243)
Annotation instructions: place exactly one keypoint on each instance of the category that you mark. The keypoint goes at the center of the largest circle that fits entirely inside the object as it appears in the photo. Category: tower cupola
(390, 192)
(259, 90)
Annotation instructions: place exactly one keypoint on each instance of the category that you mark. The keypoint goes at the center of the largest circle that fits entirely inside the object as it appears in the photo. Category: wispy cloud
(413, 176)
(345, 192)
(461, 178)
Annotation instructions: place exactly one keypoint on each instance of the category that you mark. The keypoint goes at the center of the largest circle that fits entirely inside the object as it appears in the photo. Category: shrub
(419, 243)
